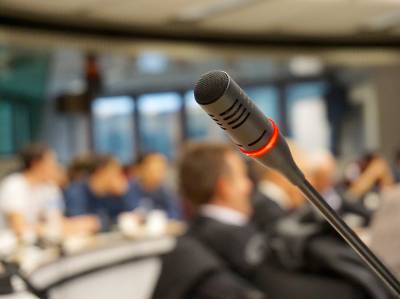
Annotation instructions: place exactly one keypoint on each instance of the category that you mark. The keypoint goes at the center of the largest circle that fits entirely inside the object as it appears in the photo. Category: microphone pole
(350, 237)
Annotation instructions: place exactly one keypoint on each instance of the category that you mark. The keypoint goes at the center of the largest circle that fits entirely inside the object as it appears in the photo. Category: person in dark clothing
(99, 197)
(209, 268)
(224, 207)
(158, 199)
(147, 190)
(80, 167)
(207, 277)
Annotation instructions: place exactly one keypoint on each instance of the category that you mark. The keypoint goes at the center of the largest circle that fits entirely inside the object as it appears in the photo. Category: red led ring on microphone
(266, 148)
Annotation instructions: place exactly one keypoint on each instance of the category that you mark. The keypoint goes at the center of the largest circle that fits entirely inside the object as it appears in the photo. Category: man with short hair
(99, 197)
(213, 260)
(147, 191)
(214, 178)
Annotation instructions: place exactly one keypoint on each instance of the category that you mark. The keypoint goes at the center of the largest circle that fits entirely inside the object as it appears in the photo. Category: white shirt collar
(224, 215)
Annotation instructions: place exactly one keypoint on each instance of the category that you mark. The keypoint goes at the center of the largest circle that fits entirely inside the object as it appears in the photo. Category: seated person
(275, 186)
(267, 212)
(371, 174)
(213, 178)
(132, 169)
(32, 195)
(147, 191)
(79, 168)
(99, 197)
(323, 168)
(278, 188)
(322, 177)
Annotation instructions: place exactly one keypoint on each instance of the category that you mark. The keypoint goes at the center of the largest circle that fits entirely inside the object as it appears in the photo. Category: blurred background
(99, 80)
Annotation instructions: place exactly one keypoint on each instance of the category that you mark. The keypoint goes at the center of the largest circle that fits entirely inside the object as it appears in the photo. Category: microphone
(258, 137)
(254, 134)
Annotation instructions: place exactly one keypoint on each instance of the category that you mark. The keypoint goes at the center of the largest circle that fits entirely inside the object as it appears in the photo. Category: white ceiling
(327, 18)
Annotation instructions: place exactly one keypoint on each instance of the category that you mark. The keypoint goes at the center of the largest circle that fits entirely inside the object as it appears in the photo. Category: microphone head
(210, 87)
(256, 136)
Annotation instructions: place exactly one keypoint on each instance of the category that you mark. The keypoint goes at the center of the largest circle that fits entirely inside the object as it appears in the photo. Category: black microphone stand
(350, 237)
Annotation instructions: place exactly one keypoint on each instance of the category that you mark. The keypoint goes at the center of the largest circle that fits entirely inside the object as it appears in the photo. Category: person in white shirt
(31, 198)
(31, 194)
(19, 195)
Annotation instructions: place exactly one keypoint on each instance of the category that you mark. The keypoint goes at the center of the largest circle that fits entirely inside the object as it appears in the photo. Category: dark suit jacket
(242, 248)
(192, 271)
(250, 254)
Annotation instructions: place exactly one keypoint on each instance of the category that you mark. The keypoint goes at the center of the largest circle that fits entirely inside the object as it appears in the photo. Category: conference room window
(113, 126)
(266, 99)
(6, 128)
(199, 125)
(160, 127)
(306, 107)
(152, 62)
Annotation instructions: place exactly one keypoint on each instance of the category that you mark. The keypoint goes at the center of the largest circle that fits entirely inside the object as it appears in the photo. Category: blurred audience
(31, 199)
(131, 170)
(98, 197)
(26, 197)
(370, 174)
(323, 177)
(276, 187)
(80, 167)
(147, 191)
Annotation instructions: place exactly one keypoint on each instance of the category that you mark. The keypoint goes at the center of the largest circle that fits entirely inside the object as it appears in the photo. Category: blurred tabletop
(49, 266)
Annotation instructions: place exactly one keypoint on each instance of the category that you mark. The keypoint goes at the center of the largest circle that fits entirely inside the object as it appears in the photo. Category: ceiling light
(196, 13)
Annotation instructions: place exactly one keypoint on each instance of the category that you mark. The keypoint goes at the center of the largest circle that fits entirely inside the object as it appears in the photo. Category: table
(121, 269)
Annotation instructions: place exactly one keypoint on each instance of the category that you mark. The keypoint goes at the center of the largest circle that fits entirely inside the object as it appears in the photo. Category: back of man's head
(201, 165)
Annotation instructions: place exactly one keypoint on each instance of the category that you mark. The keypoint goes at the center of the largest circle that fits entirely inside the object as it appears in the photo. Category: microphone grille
(211, 87)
